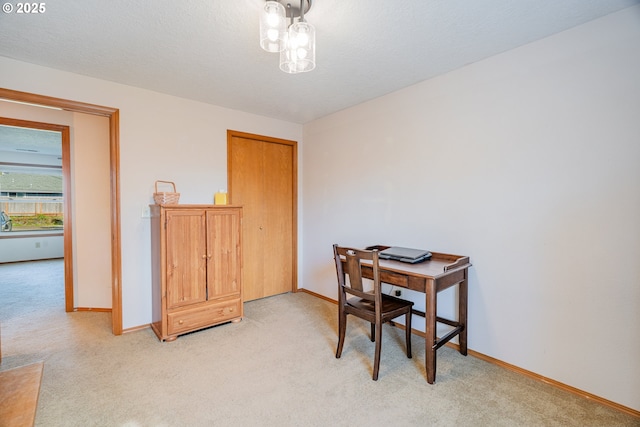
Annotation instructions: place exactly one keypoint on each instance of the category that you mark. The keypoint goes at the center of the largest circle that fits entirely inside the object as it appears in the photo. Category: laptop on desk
(408, 255)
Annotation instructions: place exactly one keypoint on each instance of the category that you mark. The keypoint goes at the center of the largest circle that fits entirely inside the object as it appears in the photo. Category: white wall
(161, 137)
(92, 211)
(528, 162)
(31, 248)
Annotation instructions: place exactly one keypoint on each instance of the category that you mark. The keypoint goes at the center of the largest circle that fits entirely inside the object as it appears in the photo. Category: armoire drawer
(203, 316)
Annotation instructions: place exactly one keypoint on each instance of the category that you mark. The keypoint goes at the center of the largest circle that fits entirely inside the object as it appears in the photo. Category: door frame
(294, 144)
(113, 114)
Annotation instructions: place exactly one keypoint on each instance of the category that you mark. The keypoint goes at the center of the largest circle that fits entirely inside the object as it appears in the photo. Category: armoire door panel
(186, 258)
(223, 252)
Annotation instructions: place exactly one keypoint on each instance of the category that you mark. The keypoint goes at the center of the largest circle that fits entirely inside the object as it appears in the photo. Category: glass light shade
(273, 27)
(299, 55)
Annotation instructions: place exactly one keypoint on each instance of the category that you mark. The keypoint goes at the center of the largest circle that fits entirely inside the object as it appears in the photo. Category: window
(31, 187)
(33, 209)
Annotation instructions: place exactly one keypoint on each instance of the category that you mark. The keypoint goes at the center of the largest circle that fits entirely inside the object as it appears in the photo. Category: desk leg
(431, 307)
(462, 315)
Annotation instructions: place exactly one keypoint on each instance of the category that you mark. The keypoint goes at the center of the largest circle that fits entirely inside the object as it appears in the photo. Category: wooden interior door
(262, 178)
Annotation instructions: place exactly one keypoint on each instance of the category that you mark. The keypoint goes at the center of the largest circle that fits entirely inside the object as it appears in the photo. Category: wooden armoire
(197, 267)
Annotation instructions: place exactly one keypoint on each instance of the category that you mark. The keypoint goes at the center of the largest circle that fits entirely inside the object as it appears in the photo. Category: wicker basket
(166, 198)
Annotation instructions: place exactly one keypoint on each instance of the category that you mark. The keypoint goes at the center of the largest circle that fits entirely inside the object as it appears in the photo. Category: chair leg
(342, 328)
(373, 332)
(376, 360)
(407, 323)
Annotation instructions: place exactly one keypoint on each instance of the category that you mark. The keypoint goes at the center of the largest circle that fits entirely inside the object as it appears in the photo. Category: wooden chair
(372, 306)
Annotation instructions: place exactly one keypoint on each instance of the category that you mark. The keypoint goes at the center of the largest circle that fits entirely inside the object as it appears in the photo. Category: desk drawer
(386, 276)
(394, 279)
(203, 316)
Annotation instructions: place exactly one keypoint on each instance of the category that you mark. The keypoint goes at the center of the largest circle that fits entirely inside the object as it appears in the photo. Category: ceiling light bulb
(272, 35)
(273, 27)
(299, 56)
(273, 20)
(302, 39)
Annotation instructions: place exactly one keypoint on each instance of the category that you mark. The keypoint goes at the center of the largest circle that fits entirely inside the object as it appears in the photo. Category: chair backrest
(349, 263)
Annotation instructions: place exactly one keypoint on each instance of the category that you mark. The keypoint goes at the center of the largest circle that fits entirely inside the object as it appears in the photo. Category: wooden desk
(430, 277)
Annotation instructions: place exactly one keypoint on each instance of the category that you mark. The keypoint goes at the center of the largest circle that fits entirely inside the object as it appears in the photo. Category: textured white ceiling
(208, 50)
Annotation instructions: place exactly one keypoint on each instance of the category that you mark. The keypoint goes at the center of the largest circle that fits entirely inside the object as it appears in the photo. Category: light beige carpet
(275, 368)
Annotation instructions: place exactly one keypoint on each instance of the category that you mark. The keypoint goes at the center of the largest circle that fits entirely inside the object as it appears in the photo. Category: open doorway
(35, 194)
(112, 115)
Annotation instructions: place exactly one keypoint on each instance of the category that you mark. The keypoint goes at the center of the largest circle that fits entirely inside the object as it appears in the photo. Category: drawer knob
(180, 322)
